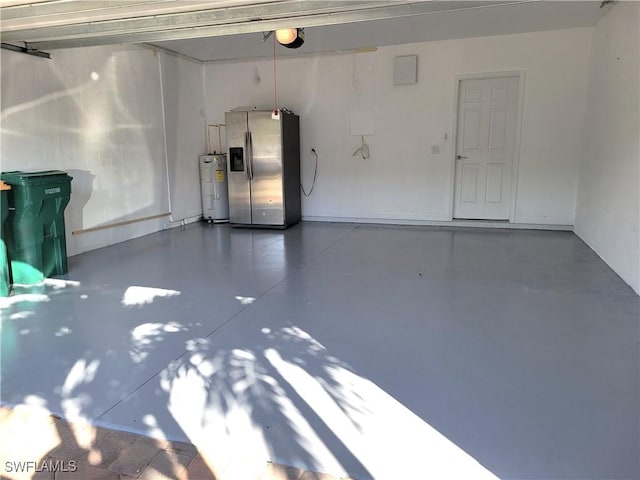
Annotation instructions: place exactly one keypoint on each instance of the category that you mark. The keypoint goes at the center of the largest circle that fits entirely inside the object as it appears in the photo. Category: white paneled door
(485, 146)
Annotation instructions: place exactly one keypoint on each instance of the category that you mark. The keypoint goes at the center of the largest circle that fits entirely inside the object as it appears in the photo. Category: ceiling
(233, 29)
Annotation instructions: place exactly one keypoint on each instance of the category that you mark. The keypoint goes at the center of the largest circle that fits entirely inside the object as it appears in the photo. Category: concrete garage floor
(371, 351)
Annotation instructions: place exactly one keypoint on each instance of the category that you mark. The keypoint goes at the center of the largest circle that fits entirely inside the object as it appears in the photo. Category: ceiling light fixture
(290, 37)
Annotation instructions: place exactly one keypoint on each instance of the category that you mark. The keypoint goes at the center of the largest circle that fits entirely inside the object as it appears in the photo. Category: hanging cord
(275, 79)
(315, 172)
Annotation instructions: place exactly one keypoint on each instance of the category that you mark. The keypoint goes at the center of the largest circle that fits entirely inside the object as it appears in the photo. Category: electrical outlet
(435, 149)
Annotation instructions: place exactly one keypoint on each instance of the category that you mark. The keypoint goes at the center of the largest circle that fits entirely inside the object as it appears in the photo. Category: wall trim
(120, 224)
(435, 223)
(182, 222)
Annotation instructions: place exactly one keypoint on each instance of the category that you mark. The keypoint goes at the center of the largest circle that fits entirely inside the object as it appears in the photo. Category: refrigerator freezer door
(265, 164)
(237, 169)
(291, 170)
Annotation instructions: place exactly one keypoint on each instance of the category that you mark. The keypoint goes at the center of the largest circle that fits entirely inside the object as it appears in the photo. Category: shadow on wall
(96, 109)
(81, 190)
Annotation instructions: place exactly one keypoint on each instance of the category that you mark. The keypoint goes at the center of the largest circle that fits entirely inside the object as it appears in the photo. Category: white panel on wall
(96, 113)
(183, 97)
(403, 180)
(405, 70)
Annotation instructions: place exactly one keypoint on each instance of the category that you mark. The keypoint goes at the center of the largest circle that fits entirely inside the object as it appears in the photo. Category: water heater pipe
(217, 125)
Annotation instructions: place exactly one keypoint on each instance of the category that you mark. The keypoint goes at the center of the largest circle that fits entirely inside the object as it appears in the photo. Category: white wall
(98, 113)
(183, 94)
(608, 210)
(402, 180)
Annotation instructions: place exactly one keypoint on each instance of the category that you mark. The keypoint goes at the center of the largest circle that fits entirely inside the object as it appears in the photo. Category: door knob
(460, 157)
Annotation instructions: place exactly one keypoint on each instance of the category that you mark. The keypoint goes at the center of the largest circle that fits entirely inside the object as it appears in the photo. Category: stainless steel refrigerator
(263, 168)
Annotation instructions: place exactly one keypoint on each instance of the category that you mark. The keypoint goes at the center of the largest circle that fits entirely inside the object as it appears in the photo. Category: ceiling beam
(55, 13)
(153, 21)
(19, 3)
(241, 20)
(51, 8)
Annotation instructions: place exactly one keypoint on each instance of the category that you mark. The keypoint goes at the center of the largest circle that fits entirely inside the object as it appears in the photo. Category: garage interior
(389, 334)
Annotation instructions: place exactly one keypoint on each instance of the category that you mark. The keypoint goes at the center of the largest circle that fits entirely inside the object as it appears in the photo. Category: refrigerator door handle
(250, 156)
(246, 153)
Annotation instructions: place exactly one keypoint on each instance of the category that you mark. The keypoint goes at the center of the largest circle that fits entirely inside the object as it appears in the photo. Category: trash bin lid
(4, 186)
(34, 178)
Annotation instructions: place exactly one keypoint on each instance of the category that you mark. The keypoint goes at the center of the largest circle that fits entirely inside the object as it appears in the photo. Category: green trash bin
(5, 280)
(36, 241)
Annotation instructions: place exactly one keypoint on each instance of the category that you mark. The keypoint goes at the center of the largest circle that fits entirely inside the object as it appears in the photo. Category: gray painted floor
(379, 351)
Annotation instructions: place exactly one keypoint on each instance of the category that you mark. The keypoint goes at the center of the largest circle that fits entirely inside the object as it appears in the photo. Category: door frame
(516, 146)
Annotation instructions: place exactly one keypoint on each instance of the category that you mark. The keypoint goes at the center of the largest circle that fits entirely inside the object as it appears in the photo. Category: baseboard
(437, 223)
(182, 222)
